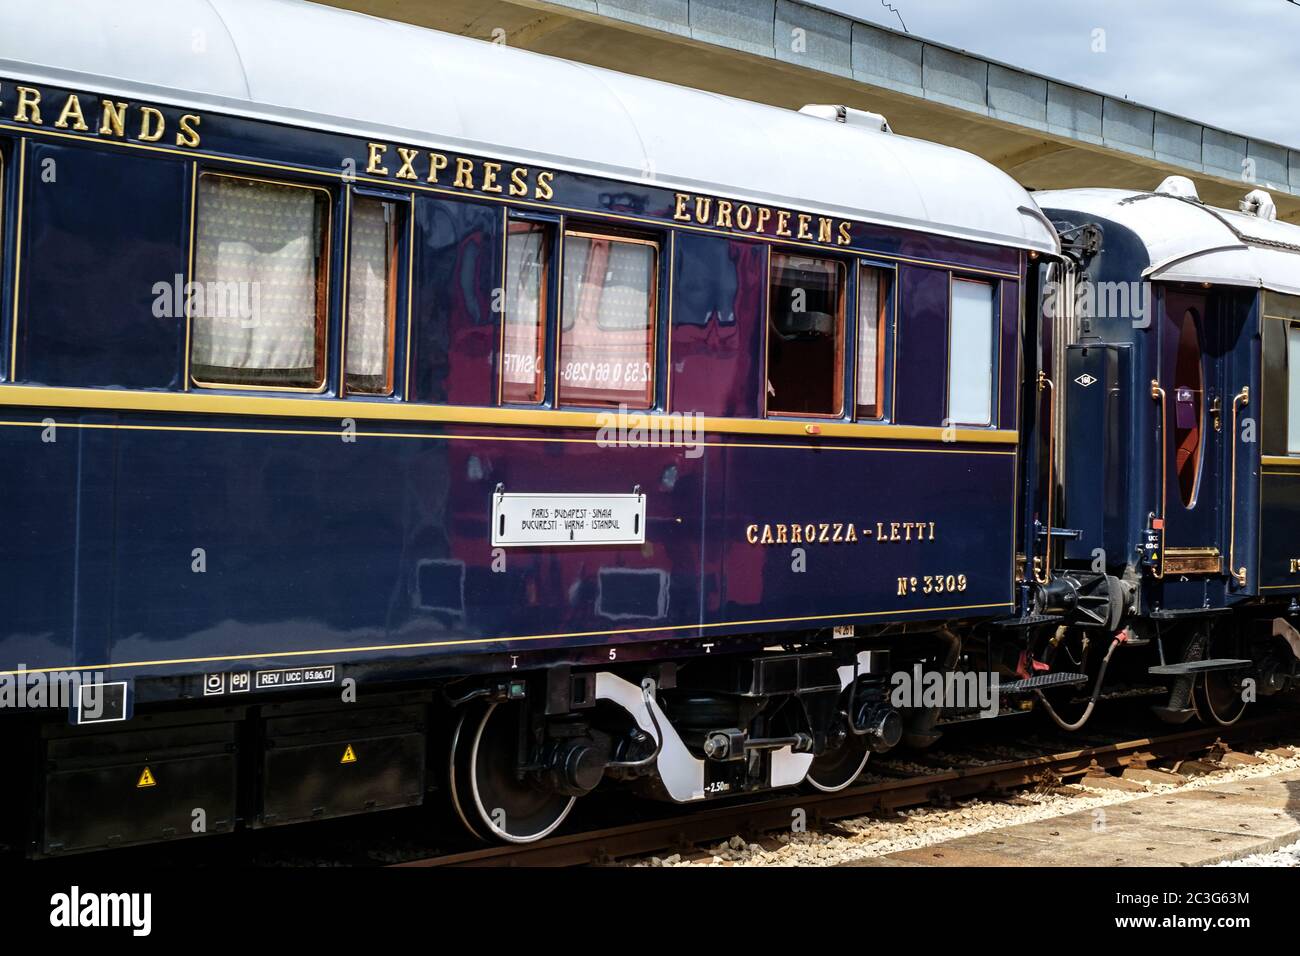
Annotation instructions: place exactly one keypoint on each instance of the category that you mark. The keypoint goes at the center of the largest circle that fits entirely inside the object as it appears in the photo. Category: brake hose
(1096, 693)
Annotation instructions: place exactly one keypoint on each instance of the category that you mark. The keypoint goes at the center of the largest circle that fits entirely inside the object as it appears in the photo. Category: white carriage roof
(1190, 242)
(304, 63)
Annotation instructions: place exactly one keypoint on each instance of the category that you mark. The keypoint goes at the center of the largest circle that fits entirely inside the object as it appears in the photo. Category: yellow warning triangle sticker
(349, 756)
(146, 779)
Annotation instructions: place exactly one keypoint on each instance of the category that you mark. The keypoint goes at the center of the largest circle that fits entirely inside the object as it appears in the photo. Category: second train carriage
(1170, 332)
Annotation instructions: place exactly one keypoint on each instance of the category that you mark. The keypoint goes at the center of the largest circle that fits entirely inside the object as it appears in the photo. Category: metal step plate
(1029, 620)
(1042, 682)
(1198, 667)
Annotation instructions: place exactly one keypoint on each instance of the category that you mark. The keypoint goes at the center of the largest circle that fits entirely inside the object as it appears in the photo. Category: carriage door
(1191, 374)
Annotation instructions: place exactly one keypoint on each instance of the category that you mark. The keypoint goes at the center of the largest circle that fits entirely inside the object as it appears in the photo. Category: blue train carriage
(1168, 332)
(474, 421)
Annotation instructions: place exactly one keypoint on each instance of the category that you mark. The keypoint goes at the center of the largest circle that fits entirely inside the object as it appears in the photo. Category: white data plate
(520, 520)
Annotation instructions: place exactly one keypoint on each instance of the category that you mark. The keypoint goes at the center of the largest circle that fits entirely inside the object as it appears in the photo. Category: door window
(1189, 401)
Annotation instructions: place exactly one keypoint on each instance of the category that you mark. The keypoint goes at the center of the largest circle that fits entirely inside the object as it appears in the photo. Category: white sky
(1234, 64)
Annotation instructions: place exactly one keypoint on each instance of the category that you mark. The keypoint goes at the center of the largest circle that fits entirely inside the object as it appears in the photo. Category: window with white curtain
(872, 288)
(1293, 389)
(523, 364)
(372, 296)
(607, 336)
(970, 353)
(258, 304)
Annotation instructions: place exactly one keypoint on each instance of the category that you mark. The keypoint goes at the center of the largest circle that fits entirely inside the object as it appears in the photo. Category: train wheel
(840, 767)
(492, 800)
(1218, 698)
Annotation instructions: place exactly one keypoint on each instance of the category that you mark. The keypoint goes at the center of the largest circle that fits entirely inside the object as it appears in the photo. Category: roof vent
(1180, 187)
(848, 116)
(1259, 203)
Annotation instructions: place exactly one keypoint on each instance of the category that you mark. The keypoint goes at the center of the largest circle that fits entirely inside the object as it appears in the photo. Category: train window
(970, 353)
(607, 333)
(1293, 389)
(805, 336)
(372, 296)
(3, 221)
(262, 262)
(1189, 392)
(873, 287)
(523, 361)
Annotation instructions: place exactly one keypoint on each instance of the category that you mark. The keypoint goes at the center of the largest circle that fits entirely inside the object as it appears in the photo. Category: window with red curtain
(607, 332)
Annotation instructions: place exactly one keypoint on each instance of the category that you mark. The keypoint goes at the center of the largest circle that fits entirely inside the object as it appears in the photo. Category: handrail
(1046, 383)
(1158, 394)
(1238, 574)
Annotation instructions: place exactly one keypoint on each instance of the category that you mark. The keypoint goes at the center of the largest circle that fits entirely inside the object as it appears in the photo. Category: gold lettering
(764, 214)
(72, 110)
(838, 532)
(464, 173)
(783, 223)
(189, 134)
(724, 214)
(544, 190)
(112, 120)
(407, 156)
(490, 171)
(152, 124)
(845, 236)
(437, 163)
(744, 217)
(931, 530)
(893, 531)
(375, 166)
(29, 106)
(804, 221)
(519, 181)
(679, 208)
(824, 229)
(702, 206)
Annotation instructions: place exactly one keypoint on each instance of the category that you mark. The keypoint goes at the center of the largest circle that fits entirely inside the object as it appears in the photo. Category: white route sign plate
(521, 520)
